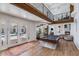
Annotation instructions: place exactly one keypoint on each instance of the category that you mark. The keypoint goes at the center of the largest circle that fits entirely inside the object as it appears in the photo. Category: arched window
(51, 29)
(2, 31)
(13, 30)
(23, 30)
(65, 26)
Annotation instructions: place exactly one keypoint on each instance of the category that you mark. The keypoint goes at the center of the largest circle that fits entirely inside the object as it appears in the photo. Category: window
(23, 30)
(51, 29)
(59, 26)
(2, 31)
(13, 30)
(68, 27)
(59, 29)
(65, 26)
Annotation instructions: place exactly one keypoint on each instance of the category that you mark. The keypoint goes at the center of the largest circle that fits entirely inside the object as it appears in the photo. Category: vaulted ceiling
(57, 8)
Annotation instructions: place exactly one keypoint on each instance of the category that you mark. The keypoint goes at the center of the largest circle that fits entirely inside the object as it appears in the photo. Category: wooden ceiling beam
(71, 8)
(28, 7)
(71, 20)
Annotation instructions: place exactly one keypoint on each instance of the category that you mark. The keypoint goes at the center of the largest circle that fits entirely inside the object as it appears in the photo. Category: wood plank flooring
(65, 48)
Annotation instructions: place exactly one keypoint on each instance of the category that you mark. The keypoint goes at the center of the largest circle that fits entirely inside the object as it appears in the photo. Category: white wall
(75, 30)
(13, 14)
(10, 14)
(56, 29)
(30, 26)
(16, 11)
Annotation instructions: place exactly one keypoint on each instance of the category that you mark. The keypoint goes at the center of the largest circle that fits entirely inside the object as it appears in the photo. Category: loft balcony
(43, 9)
(62, 18)
(43, 12)
(37, 9)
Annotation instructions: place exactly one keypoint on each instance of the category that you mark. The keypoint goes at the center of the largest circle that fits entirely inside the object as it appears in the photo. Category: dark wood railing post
(70, 16)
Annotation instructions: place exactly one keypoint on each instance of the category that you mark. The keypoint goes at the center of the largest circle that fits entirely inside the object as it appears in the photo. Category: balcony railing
(43, 9)
(43, 12)
(62, 16)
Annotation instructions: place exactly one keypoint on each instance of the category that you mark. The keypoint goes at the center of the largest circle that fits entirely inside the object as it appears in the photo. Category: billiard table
(50, 41)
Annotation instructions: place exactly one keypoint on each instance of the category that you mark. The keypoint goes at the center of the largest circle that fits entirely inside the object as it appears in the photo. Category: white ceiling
(57, 8)
(16, 11)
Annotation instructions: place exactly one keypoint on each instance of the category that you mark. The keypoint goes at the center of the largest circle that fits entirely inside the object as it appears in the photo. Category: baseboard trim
(8, 47)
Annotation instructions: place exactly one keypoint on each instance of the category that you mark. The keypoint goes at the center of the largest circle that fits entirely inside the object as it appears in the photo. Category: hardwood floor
(65, 48)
